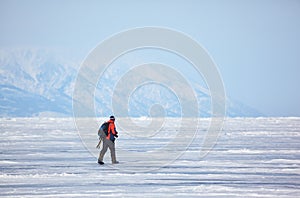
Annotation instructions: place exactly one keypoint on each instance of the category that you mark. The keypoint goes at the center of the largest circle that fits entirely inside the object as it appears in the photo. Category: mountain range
(36, 82)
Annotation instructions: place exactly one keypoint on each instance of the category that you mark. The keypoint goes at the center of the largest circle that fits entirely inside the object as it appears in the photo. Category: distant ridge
(35, 82)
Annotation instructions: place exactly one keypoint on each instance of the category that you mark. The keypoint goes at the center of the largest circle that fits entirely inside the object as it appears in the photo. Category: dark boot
(100, 162)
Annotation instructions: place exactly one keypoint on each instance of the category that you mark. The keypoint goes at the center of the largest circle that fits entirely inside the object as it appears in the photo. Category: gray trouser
(108, 144)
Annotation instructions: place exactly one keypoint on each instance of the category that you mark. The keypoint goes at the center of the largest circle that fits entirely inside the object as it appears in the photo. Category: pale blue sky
(256, 44)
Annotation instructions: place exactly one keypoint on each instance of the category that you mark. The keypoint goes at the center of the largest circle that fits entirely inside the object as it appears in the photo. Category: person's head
(112, 118)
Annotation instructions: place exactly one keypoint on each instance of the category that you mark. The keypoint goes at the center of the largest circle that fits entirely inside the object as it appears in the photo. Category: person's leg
(104, 149)
(112, 149)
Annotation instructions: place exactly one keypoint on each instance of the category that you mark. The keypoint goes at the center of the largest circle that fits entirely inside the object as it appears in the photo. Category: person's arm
(113, 130)
(116, 133)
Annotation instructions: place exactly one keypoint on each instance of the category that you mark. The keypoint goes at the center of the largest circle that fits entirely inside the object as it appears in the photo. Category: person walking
(108, 137)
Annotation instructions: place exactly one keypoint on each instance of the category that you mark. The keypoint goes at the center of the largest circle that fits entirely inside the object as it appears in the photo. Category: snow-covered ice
(254, 157)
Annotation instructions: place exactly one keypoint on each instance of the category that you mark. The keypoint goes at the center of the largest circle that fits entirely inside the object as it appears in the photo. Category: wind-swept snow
(254, 157)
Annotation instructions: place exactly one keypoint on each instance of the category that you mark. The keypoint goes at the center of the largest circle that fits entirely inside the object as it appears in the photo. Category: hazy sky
(255, 44)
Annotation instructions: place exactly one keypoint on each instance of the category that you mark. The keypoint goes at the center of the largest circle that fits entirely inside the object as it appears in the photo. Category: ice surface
(254, 157)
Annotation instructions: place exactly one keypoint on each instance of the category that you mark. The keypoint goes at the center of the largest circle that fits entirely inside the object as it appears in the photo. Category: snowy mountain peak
(37, 81)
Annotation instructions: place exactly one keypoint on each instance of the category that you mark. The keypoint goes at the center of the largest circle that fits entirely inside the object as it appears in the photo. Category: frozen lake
(254, 157)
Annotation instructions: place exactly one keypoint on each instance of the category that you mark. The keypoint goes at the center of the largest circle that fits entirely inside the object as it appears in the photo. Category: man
(108, 141)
